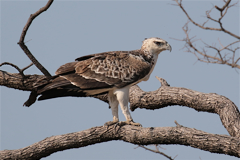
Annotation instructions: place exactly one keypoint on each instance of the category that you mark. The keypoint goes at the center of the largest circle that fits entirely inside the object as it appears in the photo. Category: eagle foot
(129, 122)
(110, 123)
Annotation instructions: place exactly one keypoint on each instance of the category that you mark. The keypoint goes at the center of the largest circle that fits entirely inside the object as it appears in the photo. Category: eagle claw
(110, 123)
(131, 122)
(122, 123)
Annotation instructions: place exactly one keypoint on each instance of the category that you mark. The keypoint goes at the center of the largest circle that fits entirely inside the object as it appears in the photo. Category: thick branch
(207, 102)
(136, 135)
(16, 81)
(25, 48)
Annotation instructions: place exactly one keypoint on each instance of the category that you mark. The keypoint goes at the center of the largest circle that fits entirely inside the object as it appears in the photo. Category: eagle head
(155, 45)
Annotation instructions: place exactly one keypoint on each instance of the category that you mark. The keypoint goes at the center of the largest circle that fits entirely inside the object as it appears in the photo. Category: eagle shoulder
(66, 68)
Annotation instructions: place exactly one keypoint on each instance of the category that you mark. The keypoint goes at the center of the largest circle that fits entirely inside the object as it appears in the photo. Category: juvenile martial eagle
(109, 72)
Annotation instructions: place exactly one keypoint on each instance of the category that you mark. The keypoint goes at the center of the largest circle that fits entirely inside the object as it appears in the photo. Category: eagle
(111, 72)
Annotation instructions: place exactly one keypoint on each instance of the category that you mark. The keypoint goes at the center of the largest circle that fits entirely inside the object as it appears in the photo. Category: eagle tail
(32, 98)
(54, 88)
(64, 92)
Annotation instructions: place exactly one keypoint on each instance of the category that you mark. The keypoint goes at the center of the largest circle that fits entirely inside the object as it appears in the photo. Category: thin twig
(157, 151)
(17, 68)
(180, 5)
(27, 67)
(221, 9)
(14, 66)
(237, 60)
(229, 45)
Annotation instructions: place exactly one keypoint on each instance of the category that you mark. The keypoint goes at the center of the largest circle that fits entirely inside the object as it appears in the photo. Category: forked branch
(17, 68)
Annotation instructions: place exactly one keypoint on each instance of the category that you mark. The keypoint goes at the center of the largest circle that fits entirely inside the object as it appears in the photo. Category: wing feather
(55, 83)
(106, 70)
(66, 68)
(85, 84)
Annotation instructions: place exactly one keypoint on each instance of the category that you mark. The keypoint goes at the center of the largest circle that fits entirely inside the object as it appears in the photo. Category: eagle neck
(147, 55)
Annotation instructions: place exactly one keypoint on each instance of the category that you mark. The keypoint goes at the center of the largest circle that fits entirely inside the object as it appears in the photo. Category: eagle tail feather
(55, 93)
(32, 98)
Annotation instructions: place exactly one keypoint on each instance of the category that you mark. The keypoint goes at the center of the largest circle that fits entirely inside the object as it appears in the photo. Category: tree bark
(214, 143)
(15, 80)
(206, 102)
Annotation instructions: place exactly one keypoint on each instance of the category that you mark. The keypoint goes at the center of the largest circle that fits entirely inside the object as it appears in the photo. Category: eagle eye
(158, 43)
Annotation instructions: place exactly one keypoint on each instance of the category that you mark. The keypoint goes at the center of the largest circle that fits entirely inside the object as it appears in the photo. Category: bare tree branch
(17, 68)
(226, 4)
(237, 60)
(179, 3)
(25, 48)
(206, 102)
(221, 57)
(27, 67)
(214, 143)
(15, 80)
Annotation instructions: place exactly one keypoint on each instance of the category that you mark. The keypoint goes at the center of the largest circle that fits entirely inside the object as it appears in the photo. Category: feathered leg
(113, 102)
(123, 99)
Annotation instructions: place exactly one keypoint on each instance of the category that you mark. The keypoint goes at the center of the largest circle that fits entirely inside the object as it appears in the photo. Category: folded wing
(97, 73)
(105, 70)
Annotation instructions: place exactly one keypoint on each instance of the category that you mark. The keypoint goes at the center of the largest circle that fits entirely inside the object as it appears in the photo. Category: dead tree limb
(25, 48)
(15, 80)
(206, 102)
(214, 143)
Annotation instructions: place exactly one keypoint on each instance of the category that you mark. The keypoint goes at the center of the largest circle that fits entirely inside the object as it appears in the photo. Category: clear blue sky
(71, 29)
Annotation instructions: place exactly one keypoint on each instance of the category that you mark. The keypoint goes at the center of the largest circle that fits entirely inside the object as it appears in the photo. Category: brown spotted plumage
(109, 72)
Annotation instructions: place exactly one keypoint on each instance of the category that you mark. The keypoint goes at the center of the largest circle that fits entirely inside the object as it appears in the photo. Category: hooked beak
(168, 47)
